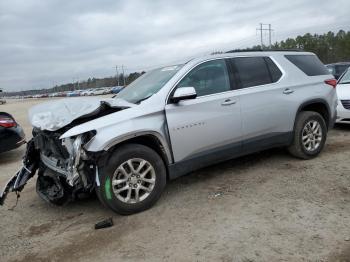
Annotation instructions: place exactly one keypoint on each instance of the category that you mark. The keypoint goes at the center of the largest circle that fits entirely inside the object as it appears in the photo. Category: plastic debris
(105, 223)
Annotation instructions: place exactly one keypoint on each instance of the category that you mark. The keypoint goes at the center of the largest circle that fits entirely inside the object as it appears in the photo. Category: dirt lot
(263, 207)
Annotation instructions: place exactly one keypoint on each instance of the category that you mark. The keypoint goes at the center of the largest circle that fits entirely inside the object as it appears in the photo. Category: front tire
(310, 135)
(132, 179)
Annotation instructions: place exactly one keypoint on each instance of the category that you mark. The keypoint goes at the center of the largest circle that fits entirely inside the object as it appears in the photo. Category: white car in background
(87, 92)
(98, 91)
(343, 92)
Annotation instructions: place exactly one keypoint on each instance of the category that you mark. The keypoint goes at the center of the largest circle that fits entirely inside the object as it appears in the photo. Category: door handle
(288, 91)
(228, 102)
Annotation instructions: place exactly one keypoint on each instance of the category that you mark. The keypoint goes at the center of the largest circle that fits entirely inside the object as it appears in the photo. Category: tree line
(82, 85)
(329, 47)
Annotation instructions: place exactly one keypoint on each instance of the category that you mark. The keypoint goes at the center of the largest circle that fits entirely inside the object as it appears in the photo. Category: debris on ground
(215, 194)
(105, 223)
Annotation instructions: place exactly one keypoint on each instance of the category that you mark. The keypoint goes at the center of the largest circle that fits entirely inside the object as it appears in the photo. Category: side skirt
(227, 152)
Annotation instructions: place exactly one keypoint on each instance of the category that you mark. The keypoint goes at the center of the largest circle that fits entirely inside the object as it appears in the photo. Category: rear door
(208, 128)
(267, 113)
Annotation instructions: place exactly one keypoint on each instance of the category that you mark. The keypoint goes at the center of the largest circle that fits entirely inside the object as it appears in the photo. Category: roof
(268, 50)
(253, 53)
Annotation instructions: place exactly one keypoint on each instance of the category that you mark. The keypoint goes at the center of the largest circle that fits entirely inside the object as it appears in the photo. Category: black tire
(114, 160)
(297, 148)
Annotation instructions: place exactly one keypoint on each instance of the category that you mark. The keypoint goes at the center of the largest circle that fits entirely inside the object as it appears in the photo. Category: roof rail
(264, 50)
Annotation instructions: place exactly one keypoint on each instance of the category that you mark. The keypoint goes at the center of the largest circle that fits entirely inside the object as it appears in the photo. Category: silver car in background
(174, 120)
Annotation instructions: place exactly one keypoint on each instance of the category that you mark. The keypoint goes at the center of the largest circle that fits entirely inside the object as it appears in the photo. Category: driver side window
(208, 78)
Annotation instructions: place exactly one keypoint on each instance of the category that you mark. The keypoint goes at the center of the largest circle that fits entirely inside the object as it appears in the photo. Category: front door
(207, 128)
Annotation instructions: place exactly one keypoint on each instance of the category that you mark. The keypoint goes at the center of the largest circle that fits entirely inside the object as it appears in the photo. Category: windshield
(345, 78)
(148, 84)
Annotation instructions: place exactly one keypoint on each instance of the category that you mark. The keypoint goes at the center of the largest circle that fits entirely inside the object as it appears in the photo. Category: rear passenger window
(309, 64)
(255, 71)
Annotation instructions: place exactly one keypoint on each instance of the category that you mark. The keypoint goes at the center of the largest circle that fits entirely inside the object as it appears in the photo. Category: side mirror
(183, 93)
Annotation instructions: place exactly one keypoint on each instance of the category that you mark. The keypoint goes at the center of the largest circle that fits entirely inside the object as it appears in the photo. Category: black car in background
(11, 134)
(337, 69)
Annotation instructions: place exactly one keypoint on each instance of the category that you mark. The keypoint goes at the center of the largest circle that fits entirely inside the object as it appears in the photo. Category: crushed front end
(65, 170)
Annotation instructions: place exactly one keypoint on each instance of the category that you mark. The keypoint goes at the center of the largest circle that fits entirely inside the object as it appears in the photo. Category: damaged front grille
(62, 158)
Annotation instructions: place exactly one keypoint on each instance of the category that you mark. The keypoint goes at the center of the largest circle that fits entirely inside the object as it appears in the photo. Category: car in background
(86, 92)
(343, 92)
(107, 90)
(11, 133)
(98, 91)
(337, 69)
(73, 93)
(116, 89)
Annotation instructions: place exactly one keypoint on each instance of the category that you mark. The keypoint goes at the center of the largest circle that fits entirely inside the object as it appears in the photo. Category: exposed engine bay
(65, 170)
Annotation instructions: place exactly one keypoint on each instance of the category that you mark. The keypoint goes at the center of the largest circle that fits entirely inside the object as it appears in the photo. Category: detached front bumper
(17, 182)
(30, 165)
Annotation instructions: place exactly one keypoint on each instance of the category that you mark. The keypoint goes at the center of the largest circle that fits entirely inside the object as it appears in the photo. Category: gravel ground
(267, 206)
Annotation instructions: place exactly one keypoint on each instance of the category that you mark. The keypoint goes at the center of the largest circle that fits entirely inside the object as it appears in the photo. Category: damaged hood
(54, 115)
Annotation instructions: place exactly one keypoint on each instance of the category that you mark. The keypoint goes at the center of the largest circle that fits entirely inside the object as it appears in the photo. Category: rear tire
(132, 179)
(310, 135)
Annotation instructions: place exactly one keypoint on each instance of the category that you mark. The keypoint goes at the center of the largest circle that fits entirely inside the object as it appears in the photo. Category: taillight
(7, 122)
(331, 82)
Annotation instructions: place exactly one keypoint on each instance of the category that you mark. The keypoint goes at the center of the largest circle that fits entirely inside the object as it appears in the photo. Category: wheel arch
(152, 140)
(316, 105)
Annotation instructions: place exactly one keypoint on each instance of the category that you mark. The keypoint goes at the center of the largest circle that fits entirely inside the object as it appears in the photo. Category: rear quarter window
(275, 72)
(309, 64)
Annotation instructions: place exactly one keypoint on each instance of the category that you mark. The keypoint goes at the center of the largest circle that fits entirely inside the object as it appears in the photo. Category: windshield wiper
(344, 82)
(143, 99)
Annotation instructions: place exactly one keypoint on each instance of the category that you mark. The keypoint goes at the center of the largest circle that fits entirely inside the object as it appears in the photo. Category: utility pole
(116, 69)
(270, 44)
(123, 75)
(261, 36)
(261, 29)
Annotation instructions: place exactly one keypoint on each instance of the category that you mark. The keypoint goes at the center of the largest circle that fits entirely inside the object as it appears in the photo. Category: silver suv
(174, 120)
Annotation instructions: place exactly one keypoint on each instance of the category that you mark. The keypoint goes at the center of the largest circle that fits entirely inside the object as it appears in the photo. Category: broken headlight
(76, 153)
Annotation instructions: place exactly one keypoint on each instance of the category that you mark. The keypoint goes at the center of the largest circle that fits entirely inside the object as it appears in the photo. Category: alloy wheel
(312, 135)
(133, 181)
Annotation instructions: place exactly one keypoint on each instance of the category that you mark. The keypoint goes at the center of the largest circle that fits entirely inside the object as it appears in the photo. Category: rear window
(309, 64)
(340, 69)
(255, 71)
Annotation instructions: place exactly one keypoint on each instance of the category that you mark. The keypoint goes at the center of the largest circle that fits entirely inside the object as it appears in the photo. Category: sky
(51, 42)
